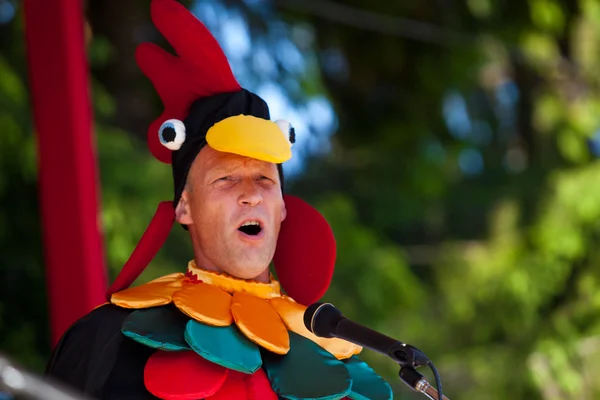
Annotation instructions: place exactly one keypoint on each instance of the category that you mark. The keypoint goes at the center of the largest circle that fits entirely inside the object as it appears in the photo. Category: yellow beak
(250, 136)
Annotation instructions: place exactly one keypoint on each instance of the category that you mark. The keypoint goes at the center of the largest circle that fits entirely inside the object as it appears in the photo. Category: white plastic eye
(172, 134)
(288, 130)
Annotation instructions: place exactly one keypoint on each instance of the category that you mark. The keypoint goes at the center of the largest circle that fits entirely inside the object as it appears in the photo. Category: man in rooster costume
(224, 329)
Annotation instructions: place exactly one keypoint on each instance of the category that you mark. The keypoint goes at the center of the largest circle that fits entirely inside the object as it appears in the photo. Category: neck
(263, 277)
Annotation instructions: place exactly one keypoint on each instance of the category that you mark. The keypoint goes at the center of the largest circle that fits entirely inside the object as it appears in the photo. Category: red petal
(182, 375)
(259, 387)
(249, 387)
(233, 388)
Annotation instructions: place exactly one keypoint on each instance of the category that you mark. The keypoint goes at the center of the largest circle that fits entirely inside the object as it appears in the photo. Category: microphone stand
(18, 383)
(418, 383)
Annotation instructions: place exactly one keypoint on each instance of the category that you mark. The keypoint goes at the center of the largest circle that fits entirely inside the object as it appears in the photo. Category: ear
(183, 214)
(283, 210)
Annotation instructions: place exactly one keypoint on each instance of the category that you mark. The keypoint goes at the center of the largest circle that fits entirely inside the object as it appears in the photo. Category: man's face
(233, 207)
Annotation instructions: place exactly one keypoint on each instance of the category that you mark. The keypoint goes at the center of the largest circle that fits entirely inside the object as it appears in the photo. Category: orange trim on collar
(232, 284)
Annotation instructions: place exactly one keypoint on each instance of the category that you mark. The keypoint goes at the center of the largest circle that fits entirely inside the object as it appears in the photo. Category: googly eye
(288, 130)
(172, 134)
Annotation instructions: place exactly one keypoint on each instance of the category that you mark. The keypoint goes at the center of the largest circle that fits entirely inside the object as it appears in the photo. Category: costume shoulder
(95, 358)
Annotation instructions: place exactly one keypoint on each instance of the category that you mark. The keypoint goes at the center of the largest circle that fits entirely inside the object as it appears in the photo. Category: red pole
(58, 71)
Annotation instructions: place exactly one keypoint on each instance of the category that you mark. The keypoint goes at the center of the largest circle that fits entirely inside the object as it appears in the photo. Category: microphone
(324, 320)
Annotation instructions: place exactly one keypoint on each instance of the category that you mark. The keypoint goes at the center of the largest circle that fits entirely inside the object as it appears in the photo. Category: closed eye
(262, 178)
(223, 178)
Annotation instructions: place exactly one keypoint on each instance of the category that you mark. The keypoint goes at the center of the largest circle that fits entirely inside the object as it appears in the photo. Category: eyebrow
(222, 170)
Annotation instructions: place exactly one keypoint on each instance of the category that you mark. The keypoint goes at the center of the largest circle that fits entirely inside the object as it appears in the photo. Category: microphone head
(322, 319)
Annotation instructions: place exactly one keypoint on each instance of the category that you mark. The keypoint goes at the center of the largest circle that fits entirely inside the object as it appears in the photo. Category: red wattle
(152, 240)
(305, 255)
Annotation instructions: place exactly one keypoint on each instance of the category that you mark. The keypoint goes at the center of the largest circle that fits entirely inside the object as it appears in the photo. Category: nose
(250, 196)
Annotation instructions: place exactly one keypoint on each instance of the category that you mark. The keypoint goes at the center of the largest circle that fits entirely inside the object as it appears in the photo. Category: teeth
(250, 223)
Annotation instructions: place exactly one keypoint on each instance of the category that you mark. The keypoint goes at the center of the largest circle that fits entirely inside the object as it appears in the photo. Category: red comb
(199, 69)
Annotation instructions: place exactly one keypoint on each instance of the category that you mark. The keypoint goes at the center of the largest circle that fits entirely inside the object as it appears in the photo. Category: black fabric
(95, 358)
(203, 114)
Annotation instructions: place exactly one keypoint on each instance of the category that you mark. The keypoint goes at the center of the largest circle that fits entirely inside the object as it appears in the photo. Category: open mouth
(251, 228)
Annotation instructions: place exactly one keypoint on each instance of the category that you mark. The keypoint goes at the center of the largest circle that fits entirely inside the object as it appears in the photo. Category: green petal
(366, 384)
(225, 346)
(160, 328)
(307, 372)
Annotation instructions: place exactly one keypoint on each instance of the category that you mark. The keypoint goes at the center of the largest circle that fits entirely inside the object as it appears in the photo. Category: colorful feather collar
(217, 334)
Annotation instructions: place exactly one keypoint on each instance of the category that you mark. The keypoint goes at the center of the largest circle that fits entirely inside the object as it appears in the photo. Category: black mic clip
(409, 358)
(407, 355)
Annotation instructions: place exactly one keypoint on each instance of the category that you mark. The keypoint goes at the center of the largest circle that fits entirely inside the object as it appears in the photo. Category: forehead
(209, 160)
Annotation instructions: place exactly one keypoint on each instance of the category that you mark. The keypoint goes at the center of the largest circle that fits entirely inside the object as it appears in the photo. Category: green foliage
(502, 263)
(22, 299)
(133, 184)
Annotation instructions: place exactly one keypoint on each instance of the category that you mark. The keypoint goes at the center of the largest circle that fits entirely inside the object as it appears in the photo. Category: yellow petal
(152, 294)
(232, 284)
(205, 303)
(176, 276)
(292, 315)
(260, 323)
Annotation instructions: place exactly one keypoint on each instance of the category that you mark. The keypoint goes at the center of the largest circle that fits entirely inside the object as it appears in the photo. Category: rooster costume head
(204, 105)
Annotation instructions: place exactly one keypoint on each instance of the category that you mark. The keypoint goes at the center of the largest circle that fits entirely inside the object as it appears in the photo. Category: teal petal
(223, 345)
(307, 372)
(366, 384)
(160, 328)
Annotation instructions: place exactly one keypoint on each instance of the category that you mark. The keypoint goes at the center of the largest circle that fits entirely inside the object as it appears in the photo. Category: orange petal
(205, 303)
(101, 305)
(260, 323)
(292, 314)
(152, 294)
